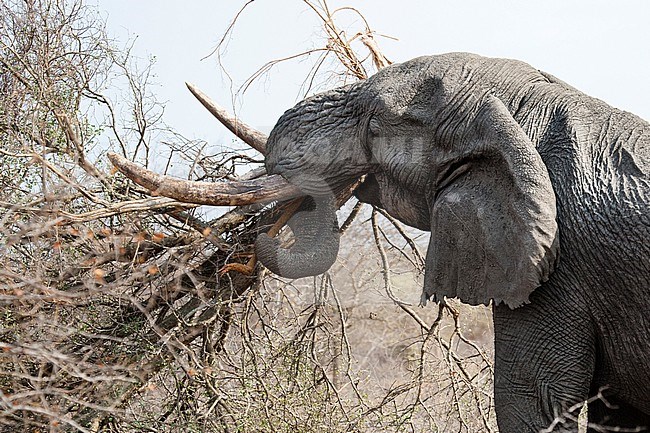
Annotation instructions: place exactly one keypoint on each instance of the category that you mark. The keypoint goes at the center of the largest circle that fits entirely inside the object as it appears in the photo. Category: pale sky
(600, 47)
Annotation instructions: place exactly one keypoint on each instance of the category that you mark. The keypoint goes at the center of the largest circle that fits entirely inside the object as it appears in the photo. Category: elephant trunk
(316, 246)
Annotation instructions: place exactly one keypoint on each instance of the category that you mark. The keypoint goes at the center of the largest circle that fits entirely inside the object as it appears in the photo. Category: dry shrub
(115, 315)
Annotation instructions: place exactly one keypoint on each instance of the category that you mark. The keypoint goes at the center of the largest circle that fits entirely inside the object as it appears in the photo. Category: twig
(124, 207)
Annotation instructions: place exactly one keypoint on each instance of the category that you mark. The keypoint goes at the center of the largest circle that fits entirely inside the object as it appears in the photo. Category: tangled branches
(117, 314)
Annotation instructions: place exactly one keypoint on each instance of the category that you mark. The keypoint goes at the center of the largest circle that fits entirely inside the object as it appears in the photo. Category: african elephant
(537, 199)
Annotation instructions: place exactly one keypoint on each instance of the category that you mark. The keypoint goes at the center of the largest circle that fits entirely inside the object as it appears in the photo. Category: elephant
(537, 198)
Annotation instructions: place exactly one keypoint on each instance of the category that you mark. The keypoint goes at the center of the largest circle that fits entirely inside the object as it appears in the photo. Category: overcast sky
(600, 47)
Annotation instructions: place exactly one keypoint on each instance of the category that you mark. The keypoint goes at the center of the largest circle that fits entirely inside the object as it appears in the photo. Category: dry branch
(119, 208)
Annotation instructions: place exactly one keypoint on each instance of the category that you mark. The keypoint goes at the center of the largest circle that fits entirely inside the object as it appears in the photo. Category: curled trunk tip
(316, 244)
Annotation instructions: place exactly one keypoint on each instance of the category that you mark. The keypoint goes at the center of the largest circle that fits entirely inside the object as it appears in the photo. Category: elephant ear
(494, 235)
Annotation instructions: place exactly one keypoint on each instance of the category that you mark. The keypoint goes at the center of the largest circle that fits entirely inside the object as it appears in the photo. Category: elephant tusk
(249, 135)
(231, 193)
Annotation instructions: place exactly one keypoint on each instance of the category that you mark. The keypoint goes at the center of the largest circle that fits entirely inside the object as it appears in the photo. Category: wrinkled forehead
(313, 117)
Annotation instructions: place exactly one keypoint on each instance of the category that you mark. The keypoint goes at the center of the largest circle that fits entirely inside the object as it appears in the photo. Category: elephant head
(442, 152)
(318, 146)
(449, 160)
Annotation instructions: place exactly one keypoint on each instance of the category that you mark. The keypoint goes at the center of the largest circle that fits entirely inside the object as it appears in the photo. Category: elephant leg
(544, 363)
(611, 414)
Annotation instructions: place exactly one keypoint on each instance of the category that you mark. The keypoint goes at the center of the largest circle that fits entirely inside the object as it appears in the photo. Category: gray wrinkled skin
(314, 224)
(536, 196)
